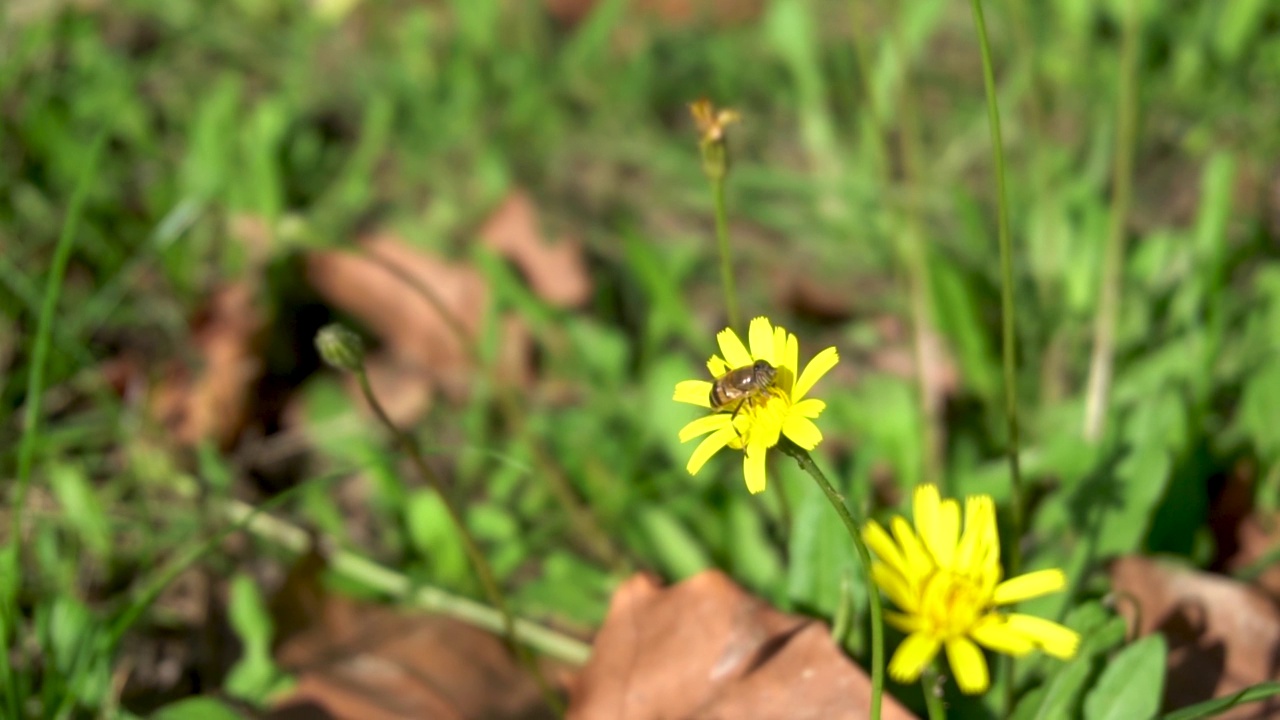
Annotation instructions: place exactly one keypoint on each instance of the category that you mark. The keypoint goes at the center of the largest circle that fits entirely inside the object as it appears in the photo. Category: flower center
(766, 408)
(953, 603)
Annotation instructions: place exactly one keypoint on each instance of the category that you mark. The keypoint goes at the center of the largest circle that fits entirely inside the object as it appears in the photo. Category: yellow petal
(717, 366)
(731, 347)
(813, 372)
(802, 431)
(947, 534)
(789, 363)
(896, 587)
(994, 632)
(925, 504)
(912, 657)
(979, 530)
(917, 564)
(1031, 585)
(760, 335)
(766, 422)
(708, 447)
(753, 469)
(883, 547)
(703, 425)
(694, 392)
(902, 621)
(809, 407)
(780, 355)
(968, 666)
(1056, 640)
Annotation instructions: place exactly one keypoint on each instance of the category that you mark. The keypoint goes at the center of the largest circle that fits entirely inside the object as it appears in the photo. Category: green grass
(863, 166)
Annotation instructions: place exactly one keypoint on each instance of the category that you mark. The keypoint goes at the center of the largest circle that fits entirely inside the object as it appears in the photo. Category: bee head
(764, 372)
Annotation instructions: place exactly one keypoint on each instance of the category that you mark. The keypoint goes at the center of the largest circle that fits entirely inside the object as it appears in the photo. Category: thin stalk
(807, 464)
(1104, 332)
(726, 258)
(478, 561)
(377, 577)
(911, 249)
(933, 703)
(581, 517)
(11, 571)
(1008, 334)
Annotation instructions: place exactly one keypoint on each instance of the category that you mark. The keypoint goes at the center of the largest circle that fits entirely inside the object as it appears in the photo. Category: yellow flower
(711, 122)
(948, 586)
(762, 419)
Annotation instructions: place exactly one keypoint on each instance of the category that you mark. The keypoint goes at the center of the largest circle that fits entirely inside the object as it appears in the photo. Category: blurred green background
(862, 212)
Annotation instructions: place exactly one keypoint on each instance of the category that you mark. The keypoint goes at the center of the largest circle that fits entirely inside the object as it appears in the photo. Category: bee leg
(734, 417)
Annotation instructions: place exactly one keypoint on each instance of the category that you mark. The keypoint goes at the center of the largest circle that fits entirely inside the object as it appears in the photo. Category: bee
(741, 385)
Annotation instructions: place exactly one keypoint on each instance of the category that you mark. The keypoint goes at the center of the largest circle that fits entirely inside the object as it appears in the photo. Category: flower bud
(340, 347)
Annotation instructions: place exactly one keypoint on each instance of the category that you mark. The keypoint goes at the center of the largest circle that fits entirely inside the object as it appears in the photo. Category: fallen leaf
(424, 311)
(361, 661)
(706, 649)
(210, 399)
(1223, 635)
(556, 271)
(1258, 537)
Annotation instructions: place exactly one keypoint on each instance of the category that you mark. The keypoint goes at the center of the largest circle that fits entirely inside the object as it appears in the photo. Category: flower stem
(933, 695)
(385, 580)
(726, 258)
(1104, 331)
(1008, 335)
(807, 464)
(478, 561)
(906, 226)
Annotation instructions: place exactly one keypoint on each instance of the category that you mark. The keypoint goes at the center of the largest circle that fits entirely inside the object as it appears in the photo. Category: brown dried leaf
(426, 311)
(212, 400)
(1257, 538)
(556, 271)
(365, 662)
(1223, 635)
(706, 649)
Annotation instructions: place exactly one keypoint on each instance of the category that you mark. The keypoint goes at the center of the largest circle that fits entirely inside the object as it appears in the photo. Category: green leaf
(1138, 485)
(676, 550)
(255, 675)
(1100, 632)
(81, 508)
(822, 556)
(1216, 706)
(1238, 22)
(753, 559)
(1132, 684)
(198, 708)
(431, 533)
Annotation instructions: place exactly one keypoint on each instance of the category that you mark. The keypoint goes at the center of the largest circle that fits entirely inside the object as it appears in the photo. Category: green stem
(726, 258)
(385, 580)
(807, 464)
(478, 561)
(906, 228)
(581, 517)
(11, 571)
(933, 704)
(1008, 333)
(1104, 331)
